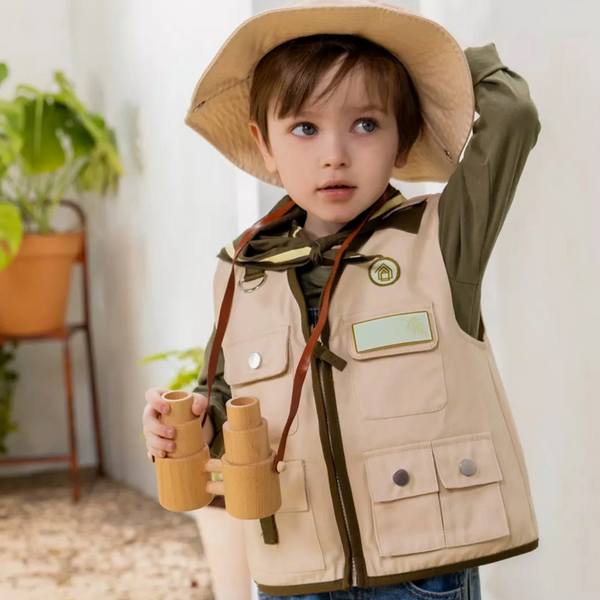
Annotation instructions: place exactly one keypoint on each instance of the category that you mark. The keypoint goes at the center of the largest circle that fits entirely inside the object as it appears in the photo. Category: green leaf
(29, 91)
(194, 354)
(82, 143)
(156, 357)
(189, 364)
(185, 379)
(100, 173)
(11, 137)
(42, 149)
(3, 72)
(11, 233)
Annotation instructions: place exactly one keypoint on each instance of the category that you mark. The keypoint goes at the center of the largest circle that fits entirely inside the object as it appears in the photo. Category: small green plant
(187, 365)
(50, 146)
(8, 383)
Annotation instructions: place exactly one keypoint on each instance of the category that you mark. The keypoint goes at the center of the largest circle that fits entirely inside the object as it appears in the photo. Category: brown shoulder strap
(304, 363)
(225, 310)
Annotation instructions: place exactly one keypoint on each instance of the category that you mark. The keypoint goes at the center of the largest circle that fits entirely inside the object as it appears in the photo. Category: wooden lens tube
(250, 486)
(181, 476)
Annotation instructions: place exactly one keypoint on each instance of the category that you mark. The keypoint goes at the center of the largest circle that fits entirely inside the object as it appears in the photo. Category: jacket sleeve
(474, 204)
(220, 394)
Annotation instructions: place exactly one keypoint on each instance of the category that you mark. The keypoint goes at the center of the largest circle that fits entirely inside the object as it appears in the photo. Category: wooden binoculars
(250, 486)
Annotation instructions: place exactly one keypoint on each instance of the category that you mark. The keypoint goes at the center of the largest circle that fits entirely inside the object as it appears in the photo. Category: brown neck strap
(228, 297)
(304, 363)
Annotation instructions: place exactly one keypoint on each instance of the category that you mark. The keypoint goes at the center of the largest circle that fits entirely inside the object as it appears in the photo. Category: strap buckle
(247, 290)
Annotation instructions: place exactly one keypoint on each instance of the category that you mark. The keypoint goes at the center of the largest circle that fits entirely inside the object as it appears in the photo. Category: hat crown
(300, 3)
(345, 4)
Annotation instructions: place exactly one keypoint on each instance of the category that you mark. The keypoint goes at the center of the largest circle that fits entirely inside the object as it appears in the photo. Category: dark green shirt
(472, 208)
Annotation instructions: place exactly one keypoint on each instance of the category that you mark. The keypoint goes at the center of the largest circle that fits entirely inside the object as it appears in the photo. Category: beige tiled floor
(116, 544)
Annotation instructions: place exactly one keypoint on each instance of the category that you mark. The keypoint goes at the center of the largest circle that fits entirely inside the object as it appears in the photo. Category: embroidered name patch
(384, 271)
(395, 330)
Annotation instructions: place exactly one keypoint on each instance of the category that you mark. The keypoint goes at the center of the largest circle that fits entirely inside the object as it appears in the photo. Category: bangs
(286, 78)
(298, 85)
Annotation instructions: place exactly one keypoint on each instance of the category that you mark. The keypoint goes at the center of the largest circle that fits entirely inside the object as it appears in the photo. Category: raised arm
(477, 198)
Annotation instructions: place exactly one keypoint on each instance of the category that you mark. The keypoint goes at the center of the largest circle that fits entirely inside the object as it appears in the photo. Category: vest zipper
(306, 328)
(337, 479)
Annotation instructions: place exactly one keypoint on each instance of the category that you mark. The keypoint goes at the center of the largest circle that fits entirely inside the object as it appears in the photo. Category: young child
(400, 466)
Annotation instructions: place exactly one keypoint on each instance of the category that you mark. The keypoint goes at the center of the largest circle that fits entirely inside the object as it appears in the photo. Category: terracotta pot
(34, 288)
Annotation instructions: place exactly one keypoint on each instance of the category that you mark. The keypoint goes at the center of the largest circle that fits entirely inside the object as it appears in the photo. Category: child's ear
(401, 160)
(263, 146)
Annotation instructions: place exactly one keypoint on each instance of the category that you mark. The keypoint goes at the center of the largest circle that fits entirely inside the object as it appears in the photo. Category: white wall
(153, 247)
(542, 289)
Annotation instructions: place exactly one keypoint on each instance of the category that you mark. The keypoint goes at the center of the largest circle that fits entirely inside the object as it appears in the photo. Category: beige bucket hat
(434, 59)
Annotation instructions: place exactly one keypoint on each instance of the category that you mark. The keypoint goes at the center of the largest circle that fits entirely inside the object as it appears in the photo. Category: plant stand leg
(71, 412)
(95, 407)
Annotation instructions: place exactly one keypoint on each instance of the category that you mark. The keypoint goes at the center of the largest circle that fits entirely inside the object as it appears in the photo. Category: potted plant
(50, 146)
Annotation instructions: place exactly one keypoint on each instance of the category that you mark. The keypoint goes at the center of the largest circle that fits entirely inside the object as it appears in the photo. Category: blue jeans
(460, 585)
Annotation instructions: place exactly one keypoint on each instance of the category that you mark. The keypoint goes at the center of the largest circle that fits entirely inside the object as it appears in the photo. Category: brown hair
(289, 74)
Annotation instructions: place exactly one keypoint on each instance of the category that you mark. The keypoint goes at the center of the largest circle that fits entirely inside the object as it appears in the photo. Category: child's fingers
(154, 399)
(200, 404)
(153, 425)
(158, 446)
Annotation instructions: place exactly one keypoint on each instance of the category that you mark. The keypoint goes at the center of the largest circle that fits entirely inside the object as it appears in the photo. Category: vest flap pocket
(406, 509)
(293, 487)
(257, 357)
(401, 472)
(392, 333)
(396, 368)
(470, 496)
(466, 461)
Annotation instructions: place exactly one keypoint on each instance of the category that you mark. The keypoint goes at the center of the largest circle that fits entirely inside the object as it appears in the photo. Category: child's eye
(304, 129)
(366, 126)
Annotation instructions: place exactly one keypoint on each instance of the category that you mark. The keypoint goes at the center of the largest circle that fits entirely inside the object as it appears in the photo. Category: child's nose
(334, 152)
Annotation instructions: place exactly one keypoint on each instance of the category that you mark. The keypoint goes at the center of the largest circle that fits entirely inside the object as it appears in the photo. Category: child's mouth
(336, 191)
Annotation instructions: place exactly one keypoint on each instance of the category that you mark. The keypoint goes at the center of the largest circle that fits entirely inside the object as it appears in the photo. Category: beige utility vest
(405, 464)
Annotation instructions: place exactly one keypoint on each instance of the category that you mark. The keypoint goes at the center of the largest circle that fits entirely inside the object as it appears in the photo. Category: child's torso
(401, 456)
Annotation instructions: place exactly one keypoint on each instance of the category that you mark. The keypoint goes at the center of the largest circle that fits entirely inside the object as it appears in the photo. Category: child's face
(349, 138)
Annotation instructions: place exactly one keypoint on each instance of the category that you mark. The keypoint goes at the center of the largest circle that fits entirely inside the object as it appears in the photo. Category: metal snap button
(401, 477)
(255, 360)
(467, 467)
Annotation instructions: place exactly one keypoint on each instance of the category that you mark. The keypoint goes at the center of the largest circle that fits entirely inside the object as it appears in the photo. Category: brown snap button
(401, 477)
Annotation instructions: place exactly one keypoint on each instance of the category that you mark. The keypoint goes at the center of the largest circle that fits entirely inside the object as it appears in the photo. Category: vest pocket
(299, 549)
(258, 366)
(397, 368)
(432, 495)
(404, 494)
(470, 496)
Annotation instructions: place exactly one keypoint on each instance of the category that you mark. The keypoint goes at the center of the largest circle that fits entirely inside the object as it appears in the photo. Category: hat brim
(436, 63)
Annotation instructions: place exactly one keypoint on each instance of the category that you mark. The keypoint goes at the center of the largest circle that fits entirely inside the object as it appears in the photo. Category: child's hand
(159, 437)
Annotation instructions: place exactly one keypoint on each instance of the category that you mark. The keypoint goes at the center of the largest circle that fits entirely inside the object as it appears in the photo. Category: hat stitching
(441, 145)
(240, 82)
